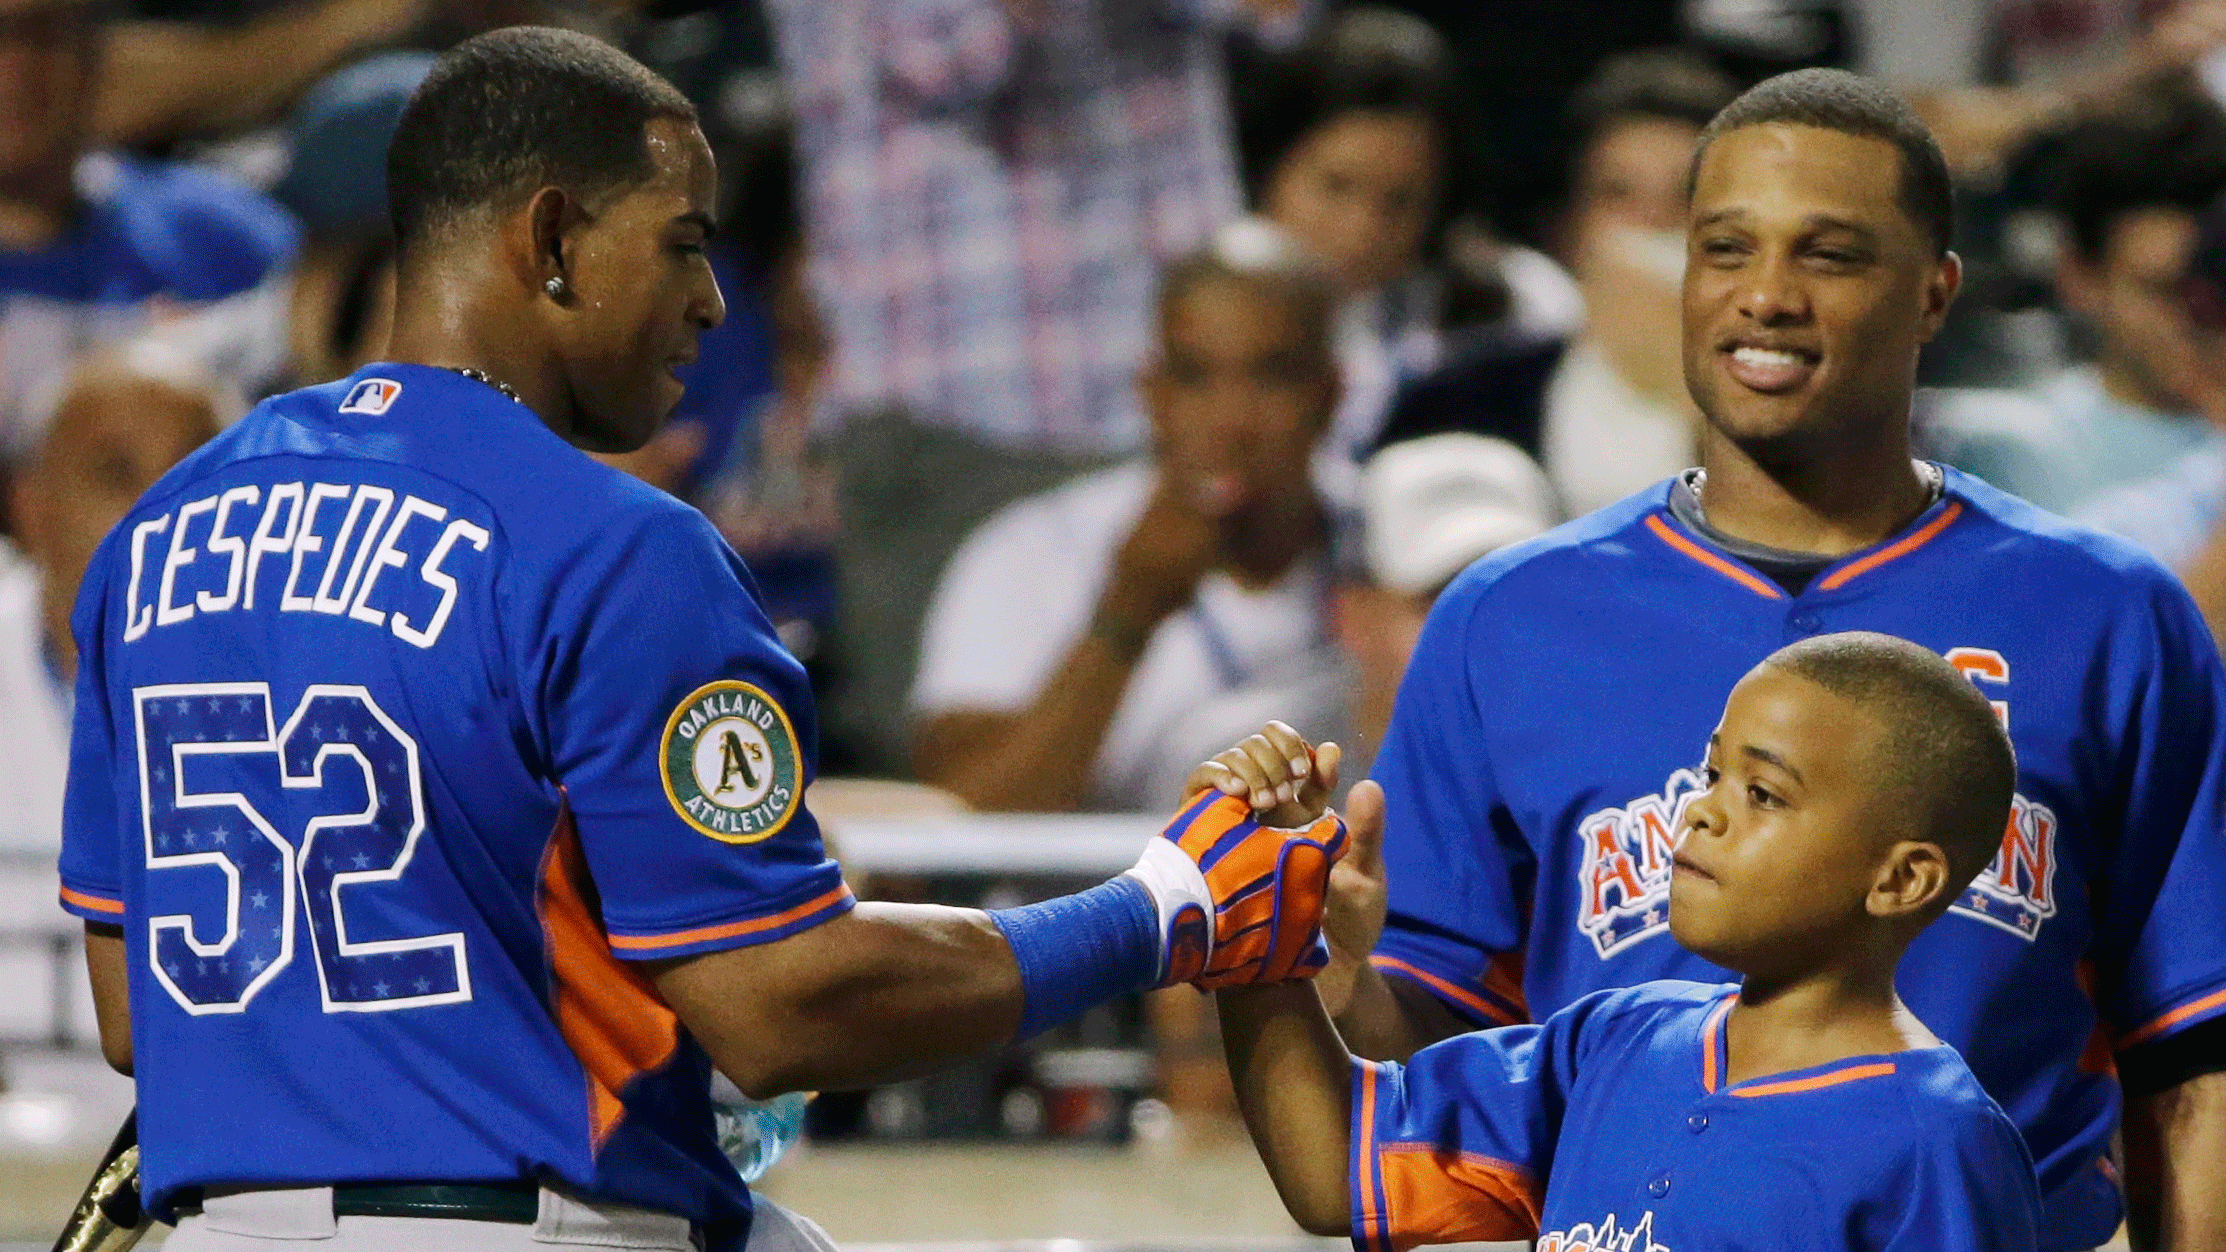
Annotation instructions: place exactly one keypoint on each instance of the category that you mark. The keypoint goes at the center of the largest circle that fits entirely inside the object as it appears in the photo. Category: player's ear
(1940, 289)
(550, 219)
(1913, 876)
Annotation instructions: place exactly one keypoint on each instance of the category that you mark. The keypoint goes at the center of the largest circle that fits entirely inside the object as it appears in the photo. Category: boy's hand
(1239, 902)
(1357, 898)
(1287, 781)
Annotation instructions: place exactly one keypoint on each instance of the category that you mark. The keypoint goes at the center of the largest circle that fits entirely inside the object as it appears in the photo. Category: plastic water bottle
(756, 1133)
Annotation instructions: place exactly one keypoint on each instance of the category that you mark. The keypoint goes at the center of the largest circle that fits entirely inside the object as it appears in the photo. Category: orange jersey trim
(1458, 994)
(1434, 1194)
(1853, 1073)
(2193, 1008)
(1662, 531)
(638, 943)
(1371, 1221)
(609, 1014)
(1839, 577)
(95, 903)
(1709, 1032)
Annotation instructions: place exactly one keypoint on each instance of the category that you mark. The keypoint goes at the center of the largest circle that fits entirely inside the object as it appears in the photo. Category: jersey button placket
(1697, 1123)
(1802, 623)
(1659, 1187)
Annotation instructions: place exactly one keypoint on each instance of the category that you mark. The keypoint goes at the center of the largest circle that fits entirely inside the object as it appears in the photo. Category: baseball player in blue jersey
(437, 793)
(1854, 786)
(1544, 748)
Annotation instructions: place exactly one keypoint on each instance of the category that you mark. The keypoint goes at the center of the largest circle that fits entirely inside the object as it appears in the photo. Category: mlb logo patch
(372, 395)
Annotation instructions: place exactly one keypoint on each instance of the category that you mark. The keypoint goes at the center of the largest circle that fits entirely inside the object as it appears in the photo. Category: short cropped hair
(2164, 150)
(1944, 747)
(506, 113)
(1253, 252)
(1850, 104)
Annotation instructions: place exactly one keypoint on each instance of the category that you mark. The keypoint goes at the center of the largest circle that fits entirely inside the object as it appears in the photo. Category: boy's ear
(1912, 878)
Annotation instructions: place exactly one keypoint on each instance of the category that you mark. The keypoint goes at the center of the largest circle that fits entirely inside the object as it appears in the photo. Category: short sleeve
(1456, 1144)
(683, 736)
(1970, 1188)
(1005, 611)
(92, 828)
(1456, 870)
(2160, 953)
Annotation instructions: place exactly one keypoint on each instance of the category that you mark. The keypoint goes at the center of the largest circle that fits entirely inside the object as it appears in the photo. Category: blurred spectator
(128, 414)
(96, 247)
(335, 183)
(1352, 140)
(1086, 645)
(1617, 416)
(187, 69)
(2131, 187)
(1429, 508)
(1987, 75)
(992, 184)
(2177, 513)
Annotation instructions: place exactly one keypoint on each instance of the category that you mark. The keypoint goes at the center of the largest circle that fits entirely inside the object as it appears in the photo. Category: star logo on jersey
(731, 764)
(1625, 877)
(1608, 1236)
(373, 396)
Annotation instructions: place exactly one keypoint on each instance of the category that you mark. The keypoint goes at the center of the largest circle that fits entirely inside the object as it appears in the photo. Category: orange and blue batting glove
(1239, 902)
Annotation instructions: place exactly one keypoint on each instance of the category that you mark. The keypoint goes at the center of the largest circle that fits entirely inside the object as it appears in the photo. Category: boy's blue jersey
(1612, 1126)
(1550, 731)
(403, 727)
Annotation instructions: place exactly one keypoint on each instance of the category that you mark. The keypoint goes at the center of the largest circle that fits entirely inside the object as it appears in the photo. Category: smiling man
(1546, 742)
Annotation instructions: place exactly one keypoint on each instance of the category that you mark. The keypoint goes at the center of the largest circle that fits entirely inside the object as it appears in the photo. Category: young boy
(1856, 784)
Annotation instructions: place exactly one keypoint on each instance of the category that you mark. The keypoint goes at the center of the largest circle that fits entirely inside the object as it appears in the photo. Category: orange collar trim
(1737, 573)
(1910, 543)
(1853, 1073)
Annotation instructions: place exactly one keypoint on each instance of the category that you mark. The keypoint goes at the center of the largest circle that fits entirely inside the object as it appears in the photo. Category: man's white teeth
(1767, 357)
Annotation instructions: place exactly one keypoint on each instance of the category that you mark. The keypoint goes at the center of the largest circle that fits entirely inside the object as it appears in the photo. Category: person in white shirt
(1617, 416)
(124, 418)
(1151, 609)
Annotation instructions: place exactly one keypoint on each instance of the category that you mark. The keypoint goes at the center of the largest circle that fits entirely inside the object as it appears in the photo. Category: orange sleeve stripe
(98, 904)
(1853, 1073)
(2193, 1008)
(1839, 577)
(639, 943)
(1458, 994)
(1661, 529)
(1371, 1219)
(1435, 1195)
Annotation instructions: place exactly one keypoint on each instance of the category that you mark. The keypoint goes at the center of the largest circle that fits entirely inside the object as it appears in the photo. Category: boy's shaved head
(1943, 747)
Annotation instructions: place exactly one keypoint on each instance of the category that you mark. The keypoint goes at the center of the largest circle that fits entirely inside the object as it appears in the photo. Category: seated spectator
(126, 416)
(96, 247)
(1617, 416)
(1156, 607)
(1351, 145)
(1429, 508)
(2132, 186)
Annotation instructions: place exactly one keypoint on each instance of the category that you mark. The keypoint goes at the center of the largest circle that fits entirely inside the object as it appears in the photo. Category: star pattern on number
(247, 704)
(380, 990)
(218, 836)
(183, 706)
(259, 900)
(371, 734)
(422, 986)
(256, 964)
(215, 705)
(161, 773)
(361, 861)
(192, 840)
(317, 733)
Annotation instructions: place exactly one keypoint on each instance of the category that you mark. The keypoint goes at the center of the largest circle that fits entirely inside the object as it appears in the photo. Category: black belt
(518, 1203)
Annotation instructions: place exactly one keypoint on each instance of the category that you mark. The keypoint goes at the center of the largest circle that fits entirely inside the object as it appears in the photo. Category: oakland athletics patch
(731, 764)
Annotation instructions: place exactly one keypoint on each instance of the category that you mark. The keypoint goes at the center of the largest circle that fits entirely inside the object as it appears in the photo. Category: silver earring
(555, 288)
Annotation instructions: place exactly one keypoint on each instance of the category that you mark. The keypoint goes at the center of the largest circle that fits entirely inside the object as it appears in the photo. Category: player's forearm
(889, 991)
(108, 969)
(1293, 1079)
(1038, 760)
(1390, 1021)
(2192, 1127)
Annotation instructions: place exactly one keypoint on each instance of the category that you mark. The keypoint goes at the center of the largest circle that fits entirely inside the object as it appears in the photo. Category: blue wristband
(1078, 951)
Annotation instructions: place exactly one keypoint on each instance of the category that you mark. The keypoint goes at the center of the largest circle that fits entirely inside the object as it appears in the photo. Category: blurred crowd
(1111, 372)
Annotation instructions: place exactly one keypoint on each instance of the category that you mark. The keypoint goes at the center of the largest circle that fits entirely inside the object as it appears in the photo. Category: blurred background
(956, 426)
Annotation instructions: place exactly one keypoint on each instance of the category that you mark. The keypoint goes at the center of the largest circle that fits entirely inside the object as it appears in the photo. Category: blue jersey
(1549, 736)
(1611, 1126)
(402, 728)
